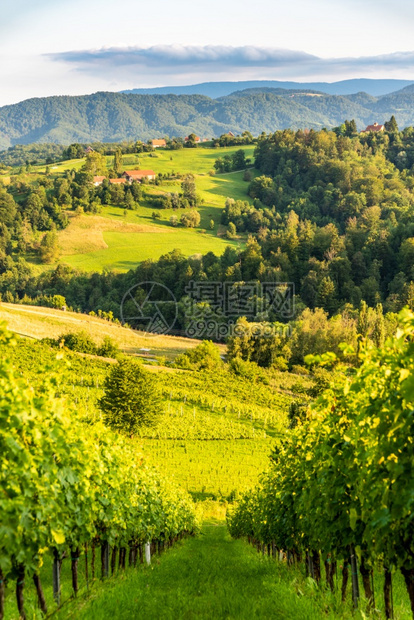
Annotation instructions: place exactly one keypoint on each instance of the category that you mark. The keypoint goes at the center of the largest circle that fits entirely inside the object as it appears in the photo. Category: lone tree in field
(131, 399)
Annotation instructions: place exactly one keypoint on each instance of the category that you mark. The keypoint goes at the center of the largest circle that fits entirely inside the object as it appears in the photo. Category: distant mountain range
(111, 117)
(221, 89)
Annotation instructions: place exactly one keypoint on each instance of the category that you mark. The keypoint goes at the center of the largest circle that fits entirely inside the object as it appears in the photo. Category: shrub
(248, 370)
(247, 176)
(108, 348)
(205, 356)
(190, 219)
(80, 342)
(231, 231)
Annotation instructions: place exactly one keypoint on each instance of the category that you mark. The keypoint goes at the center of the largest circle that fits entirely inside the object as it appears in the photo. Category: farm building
(138, 175)
(374, 128)
(156, 144)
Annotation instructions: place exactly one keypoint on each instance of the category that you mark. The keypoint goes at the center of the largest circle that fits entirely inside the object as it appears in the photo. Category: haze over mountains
(111, 117)
(221, 89)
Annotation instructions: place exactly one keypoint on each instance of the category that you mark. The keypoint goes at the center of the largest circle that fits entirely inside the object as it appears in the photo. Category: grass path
(211, 577)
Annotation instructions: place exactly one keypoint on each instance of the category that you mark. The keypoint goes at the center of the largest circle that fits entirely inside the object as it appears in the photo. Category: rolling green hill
(215, 432)
(109, 117)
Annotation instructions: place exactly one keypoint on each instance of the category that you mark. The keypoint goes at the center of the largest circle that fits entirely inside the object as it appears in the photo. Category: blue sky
(79, 47)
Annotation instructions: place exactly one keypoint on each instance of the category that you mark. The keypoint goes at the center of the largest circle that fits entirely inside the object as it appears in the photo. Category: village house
(117, 181)
(138, 175)
(88, 150)
(196, 139)
(374, 128)
(156, 144)
(98, 180)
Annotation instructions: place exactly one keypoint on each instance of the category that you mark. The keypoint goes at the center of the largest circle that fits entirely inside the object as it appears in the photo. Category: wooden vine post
(354, 575)
(113, 560)
(56, 576)
(148, 553)
(104, 559)
(86, 566)
(19, 591)
(345, 577)
(366, 574)
(388, 593)
(74, 556)
(40, 593)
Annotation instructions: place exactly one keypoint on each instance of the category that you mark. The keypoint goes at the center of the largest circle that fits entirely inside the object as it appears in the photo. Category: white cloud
(179, 60)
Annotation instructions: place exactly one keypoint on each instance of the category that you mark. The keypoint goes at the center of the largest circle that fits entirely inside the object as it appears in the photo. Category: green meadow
(113, 246)
(126, 250)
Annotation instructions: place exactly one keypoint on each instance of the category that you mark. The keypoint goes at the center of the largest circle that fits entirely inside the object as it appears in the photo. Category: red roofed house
(138, 175)
(196, 139)
(98, 180)
(158, 143)
(117, 181)
(375, 127)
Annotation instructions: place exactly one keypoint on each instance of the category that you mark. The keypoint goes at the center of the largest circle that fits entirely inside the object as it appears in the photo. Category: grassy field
(94, 243)
(210, 577)
(213, 577)
(120, 241)
(37, 323)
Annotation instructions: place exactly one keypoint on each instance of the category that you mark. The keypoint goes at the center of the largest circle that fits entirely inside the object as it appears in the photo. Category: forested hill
(109, 117)
(376, 87)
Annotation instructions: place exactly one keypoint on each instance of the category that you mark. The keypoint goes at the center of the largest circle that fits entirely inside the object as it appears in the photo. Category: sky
(74, 47)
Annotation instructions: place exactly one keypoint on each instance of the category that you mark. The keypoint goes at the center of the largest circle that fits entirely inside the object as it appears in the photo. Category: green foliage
(190, 219)
(34, 153)
(117, 165)
(81, 342)
(63, 486)
(108, 348)
(231, 231)
(391, 126)
(131, 397)
(205, 356)
(230, 163)
(191, 143)
(266, 344)
(340, 477)
(95, 163)
(314, 333)
(248, 370)
(49, 248)
(188, 189)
